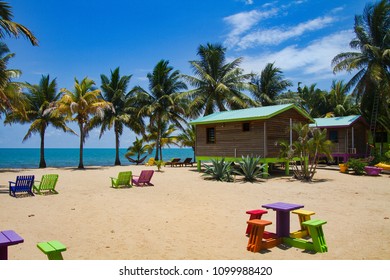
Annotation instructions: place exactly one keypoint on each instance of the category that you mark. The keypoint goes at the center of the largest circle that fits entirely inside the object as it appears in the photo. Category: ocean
(29, 158)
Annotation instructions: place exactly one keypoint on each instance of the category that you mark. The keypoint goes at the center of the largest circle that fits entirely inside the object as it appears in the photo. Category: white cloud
(311, 62)
(244, 21)
(278, 35)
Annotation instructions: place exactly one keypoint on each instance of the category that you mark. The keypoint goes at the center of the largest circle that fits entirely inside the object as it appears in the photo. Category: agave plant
(220, 170)
(251, 168)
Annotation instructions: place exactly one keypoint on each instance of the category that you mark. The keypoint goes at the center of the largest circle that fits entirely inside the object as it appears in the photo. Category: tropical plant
(85, 101)
(187, 138)
(114, 90)
(159, 139)
(267, 87)
(370, 62)
(357, 165)
(159, 164)
(11, 28)
(220, 170)
(11, 96)
(313, 100)
(41, 99)
(311, 143)
(138, 149)
(217, 85)
(161, 103)
(251, 168)
(340, 101)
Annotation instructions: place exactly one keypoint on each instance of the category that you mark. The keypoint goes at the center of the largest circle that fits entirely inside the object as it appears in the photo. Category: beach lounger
(47, 184)
(123, 179)
(23, 184)
(172, 162)
(188, 161)
(143, 179)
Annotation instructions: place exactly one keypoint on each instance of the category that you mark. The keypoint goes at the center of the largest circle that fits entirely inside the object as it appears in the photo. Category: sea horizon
(69, 157)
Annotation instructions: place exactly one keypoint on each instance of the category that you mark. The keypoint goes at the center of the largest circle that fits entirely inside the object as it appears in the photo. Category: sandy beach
(186, 217)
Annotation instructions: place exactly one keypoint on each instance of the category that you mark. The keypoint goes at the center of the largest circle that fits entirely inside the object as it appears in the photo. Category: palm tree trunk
(42, 162)
(117, 160)
(81, 164)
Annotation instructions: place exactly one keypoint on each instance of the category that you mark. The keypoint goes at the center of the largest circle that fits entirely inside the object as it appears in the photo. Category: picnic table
(8, 238)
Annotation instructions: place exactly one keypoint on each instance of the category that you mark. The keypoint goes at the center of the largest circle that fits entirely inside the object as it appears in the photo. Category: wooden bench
(257, 241)
(254, 214)
(52, 249)
(303, 216)
(8, 238)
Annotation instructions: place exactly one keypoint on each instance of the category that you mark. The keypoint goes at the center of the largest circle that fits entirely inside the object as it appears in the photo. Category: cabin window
(210, 134)
(246, 127)
(334, 136)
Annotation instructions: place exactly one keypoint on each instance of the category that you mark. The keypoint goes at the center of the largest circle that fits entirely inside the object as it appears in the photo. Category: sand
(185, 217)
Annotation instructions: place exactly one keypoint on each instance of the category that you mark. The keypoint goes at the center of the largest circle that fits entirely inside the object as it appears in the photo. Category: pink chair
(143, 179)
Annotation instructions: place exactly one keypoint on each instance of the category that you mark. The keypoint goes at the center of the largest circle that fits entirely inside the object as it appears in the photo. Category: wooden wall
(232, 141)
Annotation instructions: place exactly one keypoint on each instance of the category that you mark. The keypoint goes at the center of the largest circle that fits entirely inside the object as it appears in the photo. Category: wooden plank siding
(344, 144)
(232, 141)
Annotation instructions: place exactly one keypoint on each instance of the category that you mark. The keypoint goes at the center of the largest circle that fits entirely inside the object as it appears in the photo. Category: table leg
(4, 253)
(283, 223)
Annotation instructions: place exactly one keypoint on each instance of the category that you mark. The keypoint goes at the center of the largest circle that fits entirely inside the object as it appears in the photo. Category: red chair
(143, 179)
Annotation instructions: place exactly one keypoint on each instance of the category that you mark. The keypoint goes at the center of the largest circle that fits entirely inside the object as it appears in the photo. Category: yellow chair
(151, 162)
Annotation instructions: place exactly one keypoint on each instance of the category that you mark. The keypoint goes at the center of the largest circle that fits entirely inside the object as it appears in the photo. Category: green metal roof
(257, 113)
(335, 122)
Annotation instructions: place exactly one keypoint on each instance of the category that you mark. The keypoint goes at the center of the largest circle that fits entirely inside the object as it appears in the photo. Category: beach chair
(172, 162)
(23, 184)
(123, 179)
(143, 179)
(151, 162)
(188, 161)
(47, 184)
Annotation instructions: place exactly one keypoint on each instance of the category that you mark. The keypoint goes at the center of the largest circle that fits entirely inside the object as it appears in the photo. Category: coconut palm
(218, 85)
(11, 28)
(41, 98)
(138, 149)
(187, 138)
(370, 61)
(11, 97)
(160, 136)
(340, 101)
(313, 100)
(114, 90)
(85, 101)
(267, 87)
(161, 104)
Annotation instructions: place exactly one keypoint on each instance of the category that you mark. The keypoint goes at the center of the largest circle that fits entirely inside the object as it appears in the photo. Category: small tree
(311, 143)
(138, 149)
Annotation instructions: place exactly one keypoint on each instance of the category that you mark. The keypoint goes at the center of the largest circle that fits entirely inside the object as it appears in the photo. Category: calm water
(29, 158)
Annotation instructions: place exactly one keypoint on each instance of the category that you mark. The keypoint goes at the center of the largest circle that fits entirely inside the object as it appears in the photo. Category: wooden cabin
(254, 132)
(348, 134)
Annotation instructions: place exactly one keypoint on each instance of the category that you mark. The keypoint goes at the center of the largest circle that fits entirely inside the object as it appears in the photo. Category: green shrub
(219, 170)
(357, 165)
(250, 168)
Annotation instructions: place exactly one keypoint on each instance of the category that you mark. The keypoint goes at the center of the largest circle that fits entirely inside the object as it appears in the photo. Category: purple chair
(143, 179)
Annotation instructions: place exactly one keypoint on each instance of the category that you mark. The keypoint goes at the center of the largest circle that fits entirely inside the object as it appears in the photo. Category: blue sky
(84, 38)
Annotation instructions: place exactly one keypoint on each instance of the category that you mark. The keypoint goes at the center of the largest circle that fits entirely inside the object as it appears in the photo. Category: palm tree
(10, 28)
(218, 85)
(161, 104)
(313, 100)
(267, 87)
(11, 97)
(83, 102)
(187, 138)
(114, 90)
(41, 98)
(371, 61)
(340, 101)
(160, 136)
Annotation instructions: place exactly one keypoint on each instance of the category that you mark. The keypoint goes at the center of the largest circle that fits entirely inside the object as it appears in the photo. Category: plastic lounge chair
(23, 184)
(151, 162)
(47, 184)
(143, 179)
(173, 162)
(141, 160)
(123, 179)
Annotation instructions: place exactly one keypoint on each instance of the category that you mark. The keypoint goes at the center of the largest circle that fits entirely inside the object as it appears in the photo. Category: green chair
(52, 249)
(124, 179)
(47, 184)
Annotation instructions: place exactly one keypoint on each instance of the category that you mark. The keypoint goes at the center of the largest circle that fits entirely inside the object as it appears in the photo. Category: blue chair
(23, 184)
